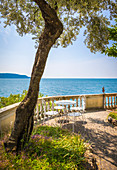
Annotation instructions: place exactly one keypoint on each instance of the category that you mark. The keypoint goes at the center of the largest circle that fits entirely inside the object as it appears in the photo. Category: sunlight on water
(55, 87)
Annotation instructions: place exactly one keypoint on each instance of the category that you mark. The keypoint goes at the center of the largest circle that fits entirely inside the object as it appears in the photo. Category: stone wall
(94, 101)
(7, 117)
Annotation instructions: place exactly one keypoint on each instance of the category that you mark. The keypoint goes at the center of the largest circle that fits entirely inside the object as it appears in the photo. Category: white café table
(65, 103)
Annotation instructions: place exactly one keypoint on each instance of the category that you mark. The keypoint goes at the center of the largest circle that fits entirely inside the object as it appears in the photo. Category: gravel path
(94, 128)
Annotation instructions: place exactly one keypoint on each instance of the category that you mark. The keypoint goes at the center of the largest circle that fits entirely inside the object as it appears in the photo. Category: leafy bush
(50, 148)
(113, 115)
(14, 98)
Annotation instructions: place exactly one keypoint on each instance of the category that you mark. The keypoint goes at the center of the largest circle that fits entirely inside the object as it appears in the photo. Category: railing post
(104, 103)
(37, 110)
(81, 101)
(52, 105)
(41, 108)
(116, 102)
(76, 102)
(84, 103)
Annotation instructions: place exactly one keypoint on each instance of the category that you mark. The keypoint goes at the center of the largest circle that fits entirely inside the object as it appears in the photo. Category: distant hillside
(13, 76)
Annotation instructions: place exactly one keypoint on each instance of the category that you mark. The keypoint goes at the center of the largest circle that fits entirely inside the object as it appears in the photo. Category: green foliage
(112, 51)
(49, 148)
(27, 17)
(14, 98)
(113, 115)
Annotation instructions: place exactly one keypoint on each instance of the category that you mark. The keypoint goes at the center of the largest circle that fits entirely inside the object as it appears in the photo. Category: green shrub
(49, 148)
(14, 98)
(113, 115)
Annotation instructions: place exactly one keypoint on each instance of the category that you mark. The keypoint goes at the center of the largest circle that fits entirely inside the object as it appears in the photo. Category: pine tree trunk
(24, 114)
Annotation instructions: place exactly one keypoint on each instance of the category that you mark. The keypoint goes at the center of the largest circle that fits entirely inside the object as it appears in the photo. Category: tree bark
(24, 114)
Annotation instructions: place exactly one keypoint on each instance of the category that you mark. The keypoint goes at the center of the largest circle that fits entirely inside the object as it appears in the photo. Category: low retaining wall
(7, 117)
(94, 101)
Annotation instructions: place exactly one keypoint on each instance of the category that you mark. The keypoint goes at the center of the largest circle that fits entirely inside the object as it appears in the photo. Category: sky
(76, 61)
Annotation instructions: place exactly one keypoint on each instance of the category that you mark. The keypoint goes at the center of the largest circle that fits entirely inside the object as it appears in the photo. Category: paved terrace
(93, 126)
(102, 136)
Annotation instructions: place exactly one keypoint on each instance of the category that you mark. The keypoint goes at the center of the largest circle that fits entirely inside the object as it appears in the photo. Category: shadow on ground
(104, 144)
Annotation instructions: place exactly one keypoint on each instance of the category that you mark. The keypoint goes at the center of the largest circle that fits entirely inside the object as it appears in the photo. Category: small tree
(112, 51)
(52, 22)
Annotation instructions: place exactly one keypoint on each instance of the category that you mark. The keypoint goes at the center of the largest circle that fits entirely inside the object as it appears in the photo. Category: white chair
(77, 111)
(74, 114)
(48, 113)
(81, 108)
(59, 108)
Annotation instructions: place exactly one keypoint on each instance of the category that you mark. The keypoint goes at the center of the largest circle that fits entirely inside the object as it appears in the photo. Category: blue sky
(76, 61)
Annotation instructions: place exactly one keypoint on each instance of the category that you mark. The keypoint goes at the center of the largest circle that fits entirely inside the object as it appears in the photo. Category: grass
(50, 148)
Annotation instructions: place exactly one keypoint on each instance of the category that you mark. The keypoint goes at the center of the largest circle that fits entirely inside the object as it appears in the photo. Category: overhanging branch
(48, 13)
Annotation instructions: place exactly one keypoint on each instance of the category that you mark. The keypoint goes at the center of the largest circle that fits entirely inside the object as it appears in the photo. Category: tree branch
(56, 6)
(35, 13)
(48, 13)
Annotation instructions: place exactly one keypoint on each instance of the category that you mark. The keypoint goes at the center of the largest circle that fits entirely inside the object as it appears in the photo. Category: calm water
(55, 87)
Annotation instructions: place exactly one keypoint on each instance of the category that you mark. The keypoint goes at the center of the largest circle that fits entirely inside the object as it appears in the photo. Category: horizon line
(64, 77)
(80, 77)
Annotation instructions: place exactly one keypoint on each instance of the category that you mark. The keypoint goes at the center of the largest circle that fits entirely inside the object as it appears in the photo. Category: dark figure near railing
(103, 89)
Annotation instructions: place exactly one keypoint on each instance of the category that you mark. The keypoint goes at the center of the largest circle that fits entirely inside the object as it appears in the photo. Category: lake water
(55, 87)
